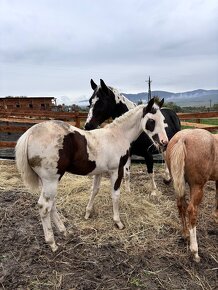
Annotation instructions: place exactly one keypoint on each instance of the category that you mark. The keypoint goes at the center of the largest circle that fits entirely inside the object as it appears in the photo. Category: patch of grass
(210, 121)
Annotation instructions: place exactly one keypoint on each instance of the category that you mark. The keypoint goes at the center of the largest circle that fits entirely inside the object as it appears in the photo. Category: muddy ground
(148, 254)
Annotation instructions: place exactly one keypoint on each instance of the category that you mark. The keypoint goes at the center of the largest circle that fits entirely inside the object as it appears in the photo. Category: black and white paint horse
(49, 149)
(106, 102)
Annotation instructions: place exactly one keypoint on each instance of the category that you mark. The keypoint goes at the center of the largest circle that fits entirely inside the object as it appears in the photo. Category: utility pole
(149, 88)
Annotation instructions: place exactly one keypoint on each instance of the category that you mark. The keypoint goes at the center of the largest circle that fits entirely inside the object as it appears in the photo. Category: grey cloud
(122, 41)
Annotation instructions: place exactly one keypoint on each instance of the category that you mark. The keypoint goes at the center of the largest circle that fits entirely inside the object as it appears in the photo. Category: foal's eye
(150, 125)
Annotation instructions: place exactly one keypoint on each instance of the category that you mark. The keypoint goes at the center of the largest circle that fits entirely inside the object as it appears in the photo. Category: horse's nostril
(164, 143)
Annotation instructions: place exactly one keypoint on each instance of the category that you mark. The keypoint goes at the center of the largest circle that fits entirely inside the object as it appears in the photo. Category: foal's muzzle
(161, 144)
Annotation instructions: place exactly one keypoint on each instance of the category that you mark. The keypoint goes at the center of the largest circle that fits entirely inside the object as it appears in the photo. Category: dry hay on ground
(148, 254)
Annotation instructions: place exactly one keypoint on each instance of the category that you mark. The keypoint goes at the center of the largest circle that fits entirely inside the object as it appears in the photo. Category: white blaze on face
(160, 126)
(90, 114)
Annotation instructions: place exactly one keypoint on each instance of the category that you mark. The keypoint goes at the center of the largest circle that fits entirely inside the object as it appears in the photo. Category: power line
(149, 88)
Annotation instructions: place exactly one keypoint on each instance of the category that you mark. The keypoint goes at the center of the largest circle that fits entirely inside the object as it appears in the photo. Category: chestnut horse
(49, 149)
(192, 157)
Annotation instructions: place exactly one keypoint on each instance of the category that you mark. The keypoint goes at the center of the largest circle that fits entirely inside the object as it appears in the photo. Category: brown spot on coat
(35, 161)
(73, 157)
(123, 160)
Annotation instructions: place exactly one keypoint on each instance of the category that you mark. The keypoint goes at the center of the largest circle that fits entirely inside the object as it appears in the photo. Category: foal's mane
(125, 116)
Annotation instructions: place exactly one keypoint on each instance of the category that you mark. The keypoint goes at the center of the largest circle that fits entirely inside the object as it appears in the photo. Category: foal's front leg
(127, 174)
(95, 189)
(116, 178)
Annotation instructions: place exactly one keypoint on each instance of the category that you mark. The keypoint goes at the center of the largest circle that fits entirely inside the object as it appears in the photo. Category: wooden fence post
(77, 120)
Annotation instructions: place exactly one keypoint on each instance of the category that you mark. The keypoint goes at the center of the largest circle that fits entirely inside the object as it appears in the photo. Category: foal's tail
(177, 160)
(29, 176)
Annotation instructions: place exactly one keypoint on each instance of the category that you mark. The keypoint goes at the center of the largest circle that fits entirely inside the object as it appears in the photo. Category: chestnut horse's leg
(196, 194)
(215, 214)
(115, 184)
(167, 178)
(45, 202)
(182, 207)
(95, 189)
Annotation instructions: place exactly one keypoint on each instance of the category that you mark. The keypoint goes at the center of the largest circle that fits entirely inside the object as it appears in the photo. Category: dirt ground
(148, 254)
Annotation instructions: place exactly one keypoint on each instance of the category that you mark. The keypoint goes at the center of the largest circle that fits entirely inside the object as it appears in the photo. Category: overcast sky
(51, 47)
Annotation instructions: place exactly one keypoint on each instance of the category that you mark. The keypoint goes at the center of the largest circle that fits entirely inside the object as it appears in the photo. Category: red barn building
(27, 103)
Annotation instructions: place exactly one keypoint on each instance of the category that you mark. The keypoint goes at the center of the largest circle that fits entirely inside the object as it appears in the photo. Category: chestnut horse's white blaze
(192, 157)
(49, 149)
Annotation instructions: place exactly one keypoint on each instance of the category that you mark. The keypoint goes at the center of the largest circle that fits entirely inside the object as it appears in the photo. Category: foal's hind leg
(45, 202)
(95, 189)
(57, 220)
(196, 193)
(215, 214)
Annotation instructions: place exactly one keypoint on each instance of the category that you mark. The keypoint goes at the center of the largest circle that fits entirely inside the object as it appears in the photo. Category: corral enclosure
(15, 122)
(148, 254)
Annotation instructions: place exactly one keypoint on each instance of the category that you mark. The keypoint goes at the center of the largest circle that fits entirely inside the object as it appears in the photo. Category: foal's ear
(160, 104)
(103, 86)
(93, 84)
(149, 105)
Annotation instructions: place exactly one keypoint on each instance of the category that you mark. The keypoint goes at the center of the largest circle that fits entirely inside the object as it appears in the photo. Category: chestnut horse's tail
(177, 164)
(29, 176)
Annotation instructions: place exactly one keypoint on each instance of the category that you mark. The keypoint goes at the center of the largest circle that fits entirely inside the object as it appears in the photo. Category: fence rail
(202, 115)
(14, 123)
(196, 120)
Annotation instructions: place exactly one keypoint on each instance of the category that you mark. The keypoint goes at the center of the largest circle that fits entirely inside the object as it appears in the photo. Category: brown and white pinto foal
(49, 149)
(192, 157)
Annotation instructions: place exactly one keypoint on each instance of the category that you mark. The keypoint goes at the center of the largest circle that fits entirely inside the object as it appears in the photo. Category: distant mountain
(190, 98)
(195, 98)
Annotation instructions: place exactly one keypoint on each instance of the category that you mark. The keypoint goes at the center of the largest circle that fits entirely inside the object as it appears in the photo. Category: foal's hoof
(153, 193)
(54, 247)
(87, 215)
(119, 225)
(153, 196)
(196, 258)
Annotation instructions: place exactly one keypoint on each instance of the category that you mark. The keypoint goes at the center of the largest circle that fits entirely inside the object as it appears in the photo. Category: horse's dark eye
(150, 125)
(88, 106)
